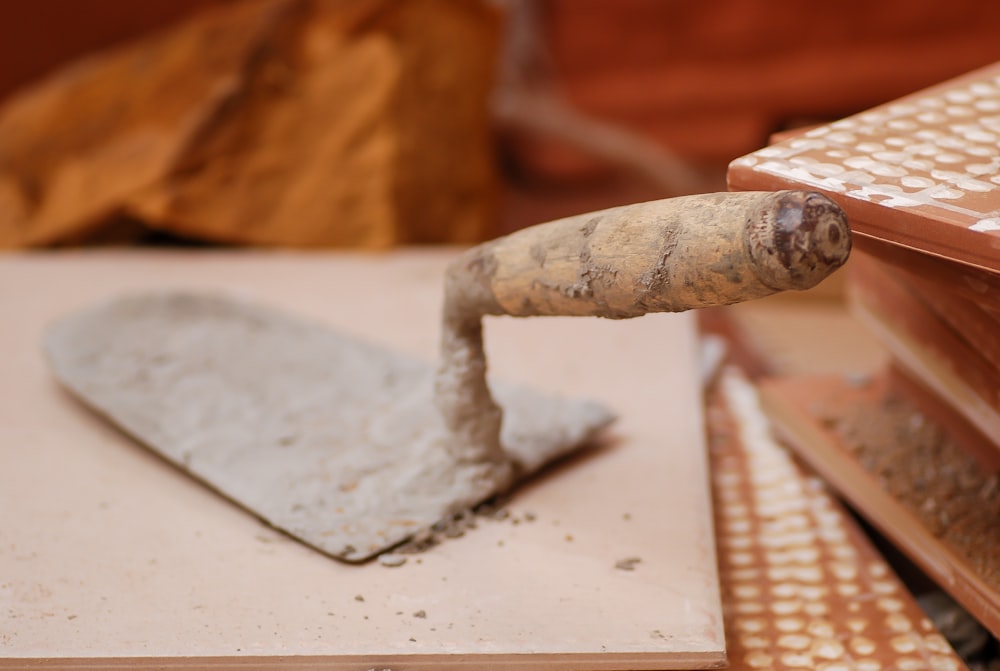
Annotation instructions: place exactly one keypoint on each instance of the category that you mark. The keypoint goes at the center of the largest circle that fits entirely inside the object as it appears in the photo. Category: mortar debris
(627, 564)
(493, 509)
(391, 559)
(455, 527)
(452, 527)
(916, 463)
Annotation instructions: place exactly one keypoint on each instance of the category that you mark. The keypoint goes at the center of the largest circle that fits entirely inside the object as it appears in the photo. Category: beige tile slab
(106, 552)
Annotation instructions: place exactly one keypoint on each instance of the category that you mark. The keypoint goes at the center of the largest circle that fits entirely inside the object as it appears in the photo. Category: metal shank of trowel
(662, 256)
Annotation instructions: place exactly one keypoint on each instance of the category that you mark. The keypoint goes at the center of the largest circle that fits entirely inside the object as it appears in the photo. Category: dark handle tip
(797, 239)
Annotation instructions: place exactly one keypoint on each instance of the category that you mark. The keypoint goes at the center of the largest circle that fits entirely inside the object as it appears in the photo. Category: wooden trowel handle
(661, 256)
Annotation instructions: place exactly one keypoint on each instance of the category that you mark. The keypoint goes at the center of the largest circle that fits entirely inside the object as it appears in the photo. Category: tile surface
(923, 171)
(108, 552)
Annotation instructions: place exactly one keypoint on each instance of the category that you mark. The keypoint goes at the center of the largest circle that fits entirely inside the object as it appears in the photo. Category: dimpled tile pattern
(933, 158)
(802, 587)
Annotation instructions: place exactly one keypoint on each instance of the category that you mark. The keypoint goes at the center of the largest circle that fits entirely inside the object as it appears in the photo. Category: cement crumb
(627, 564)
(391, 560)
(456, 526)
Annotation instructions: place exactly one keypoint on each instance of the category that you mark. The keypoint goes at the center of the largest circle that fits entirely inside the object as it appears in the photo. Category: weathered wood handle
(662, 256)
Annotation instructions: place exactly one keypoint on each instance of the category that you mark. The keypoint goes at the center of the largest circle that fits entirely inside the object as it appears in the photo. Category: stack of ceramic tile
(920, 181)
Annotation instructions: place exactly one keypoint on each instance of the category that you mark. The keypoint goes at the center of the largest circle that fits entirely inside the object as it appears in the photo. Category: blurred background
(372, 123)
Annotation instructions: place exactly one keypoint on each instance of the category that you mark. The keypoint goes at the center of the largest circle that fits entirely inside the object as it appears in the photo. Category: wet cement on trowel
(335, 440)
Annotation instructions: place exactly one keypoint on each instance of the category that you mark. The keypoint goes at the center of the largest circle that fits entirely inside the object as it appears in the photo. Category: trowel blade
(332, 439)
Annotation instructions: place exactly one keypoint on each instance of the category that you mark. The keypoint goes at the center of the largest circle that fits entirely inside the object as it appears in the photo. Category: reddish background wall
(710, 78)
(713, 78)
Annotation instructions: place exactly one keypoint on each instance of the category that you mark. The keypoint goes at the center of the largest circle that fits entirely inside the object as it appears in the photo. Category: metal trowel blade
(332, 439)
